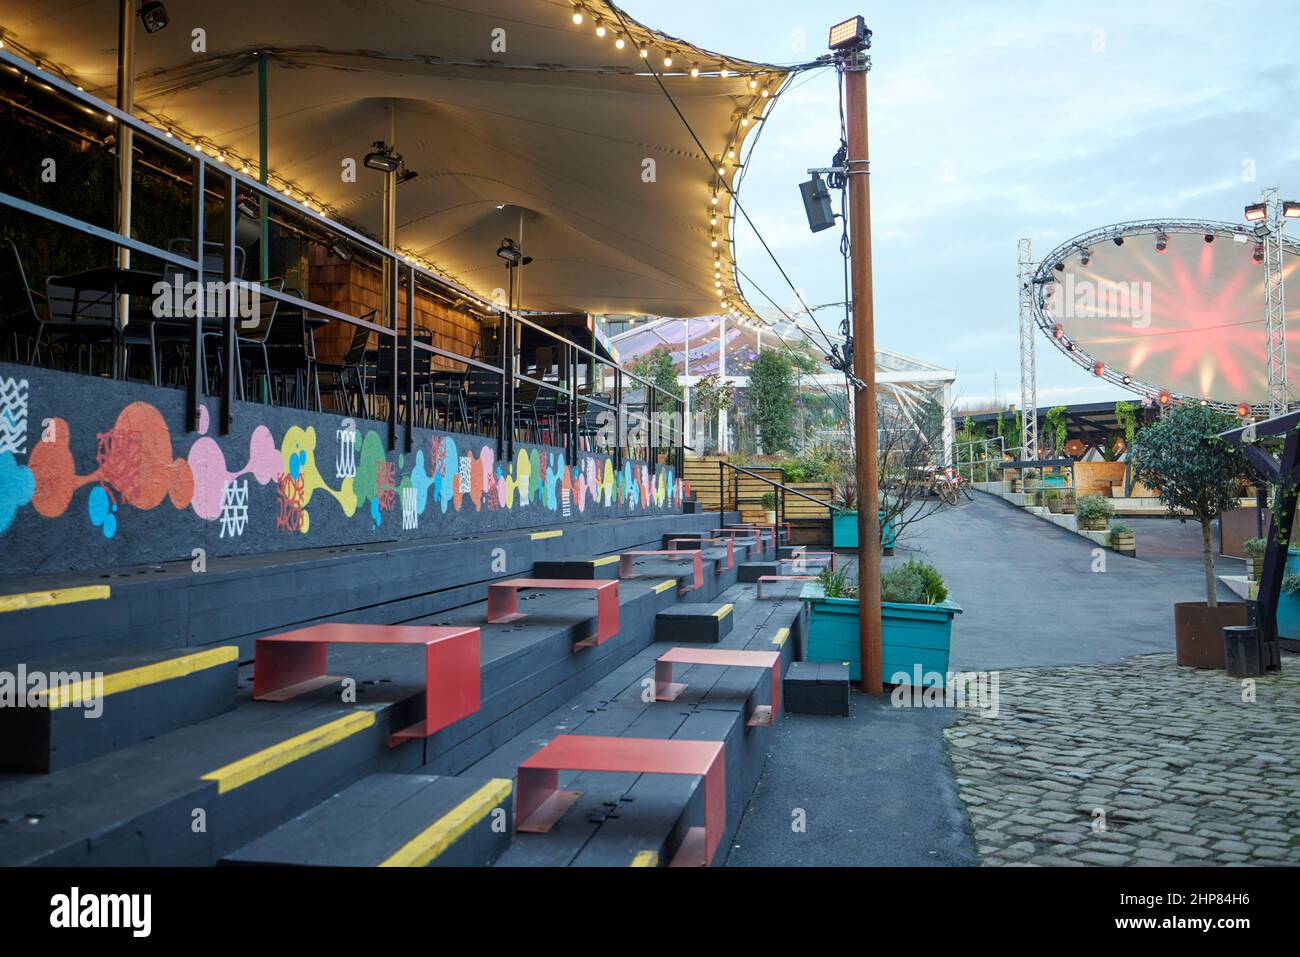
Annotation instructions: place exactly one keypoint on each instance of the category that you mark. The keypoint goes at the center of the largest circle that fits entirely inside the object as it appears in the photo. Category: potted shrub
(1030, 477)
(1254, 552)
(916, 621)
(1122, 539)
(769, 505)
(1093, 512)
(1067, 501)
(1195, 472)
(1052, 499)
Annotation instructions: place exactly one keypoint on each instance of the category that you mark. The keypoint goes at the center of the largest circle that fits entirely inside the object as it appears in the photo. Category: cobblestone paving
(1135, 763)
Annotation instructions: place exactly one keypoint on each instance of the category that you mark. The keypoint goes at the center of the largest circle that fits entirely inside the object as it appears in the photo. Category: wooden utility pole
(855, 65)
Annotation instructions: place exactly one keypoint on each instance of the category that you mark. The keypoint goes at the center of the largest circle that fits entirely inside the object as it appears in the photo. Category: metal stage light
(383, 158)
(1085, 257)
(1256, 212)
(1258, 255)
(511, 254)
(1162, 243)
(154, 16)
(1209, 237)
(1291, 209)
(850, 35)
(1119, 240)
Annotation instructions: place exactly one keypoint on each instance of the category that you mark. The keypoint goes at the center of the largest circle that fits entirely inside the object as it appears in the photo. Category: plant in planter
(1093, 512)
(769, 505)
(1194, 472)
(916, 622)
(1122, 539)
(1254, 548)
(1030, 478)
(1052, 499)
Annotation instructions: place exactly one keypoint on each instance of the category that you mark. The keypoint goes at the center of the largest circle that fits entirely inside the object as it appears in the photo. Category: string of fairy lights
(668, 59)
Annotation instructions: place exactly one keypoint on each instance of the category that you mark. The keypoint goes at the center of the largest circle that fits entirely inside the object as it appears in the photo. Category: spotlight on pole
(1128, 380)
(817, 204)
(1099, 369)
(1256, 212)
(850, 35)
(1243, 410)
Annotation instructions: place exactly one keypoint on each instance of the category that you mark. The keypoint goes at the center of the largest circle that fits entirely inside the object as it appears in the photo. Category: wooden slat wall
(355, 288)
(796, 507)
(702, 473)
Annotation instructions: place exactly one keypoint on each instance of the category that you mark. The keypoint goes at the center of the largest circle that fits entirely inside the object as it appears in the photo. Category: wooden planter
(1125, 543)
(913, 636)
(1093, 524)
(1253, 567)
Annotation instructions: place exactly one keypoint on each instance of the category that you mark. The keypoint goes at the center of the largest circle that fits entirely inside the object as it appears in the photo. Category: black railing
(780, 492)
(585, 410)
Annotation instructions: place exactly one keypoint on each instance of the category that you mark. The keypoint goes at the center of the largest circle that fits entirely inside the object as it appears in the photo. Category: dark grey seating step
(603, 567)
(79, 706)
(694, 622)
(394, 820)
(749, 572)
(816, 687)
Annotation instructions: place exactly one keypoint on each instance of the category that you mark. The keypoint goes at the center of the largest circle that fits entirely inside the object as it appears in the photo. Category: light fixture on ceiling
(153, 15)
(383, 158)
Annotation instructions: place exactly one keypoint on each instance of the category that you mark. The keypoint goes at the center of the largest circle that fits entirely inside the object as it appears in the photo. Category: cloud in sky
(1006, 119)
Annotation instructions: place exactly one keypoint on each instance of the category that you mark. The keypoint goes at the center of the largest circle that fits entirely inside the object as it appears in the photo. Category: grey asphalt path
(876, 788)
(1031, 596)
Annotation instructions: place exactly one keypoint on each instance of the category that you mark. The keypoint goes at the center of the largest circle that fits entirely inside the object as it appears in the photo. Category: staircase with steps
(185, 768)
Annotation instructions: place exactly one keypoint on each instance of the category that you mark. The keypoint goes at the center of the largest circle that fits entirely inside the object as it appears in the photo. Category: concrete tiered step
(394, 820)
(60, 712)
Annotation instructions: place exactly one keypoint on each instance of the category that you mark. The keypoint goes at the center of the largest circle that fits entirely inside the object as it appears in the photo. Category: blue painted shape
(1288, 606)
(17, 484)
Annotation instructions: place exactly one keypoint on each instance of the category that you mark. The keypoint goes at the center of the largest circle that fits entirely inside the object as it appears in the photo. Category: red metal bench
(293, 663)
(667, 690)
(782, 578)
(760, 531)
(503, 603)
(731, 552)
(627, 559)
(539, 803)
(803, 555)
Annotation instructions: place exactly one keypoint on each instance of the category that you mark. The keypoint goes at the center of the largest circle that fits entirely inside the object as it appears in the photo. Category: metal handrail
(830, 507)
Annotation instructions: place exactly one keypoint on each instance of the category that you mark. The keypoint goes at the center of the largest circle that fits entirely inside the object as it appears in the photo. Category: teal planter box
(844, 530)
(1053, 481)
(912, 635)
(1288, 606)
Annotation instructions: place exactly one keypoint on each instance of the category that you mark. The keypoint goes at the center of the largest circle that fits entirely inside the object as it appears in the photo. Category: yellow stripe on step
(607, 560)
(442, 833)
(141, 677)
(664, 586)
(723, 612)
(645, 859)
(780, 637)
(263, 762)
(553, 533)
(58, 596)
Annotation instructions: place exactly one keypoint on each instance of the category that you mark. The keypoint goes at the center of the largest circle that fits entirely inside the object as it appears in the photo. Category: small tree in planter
(1052, 499)
(769, 505)
(1030, 477)
(1195, 472)
(1254, 550)
(1093, 512)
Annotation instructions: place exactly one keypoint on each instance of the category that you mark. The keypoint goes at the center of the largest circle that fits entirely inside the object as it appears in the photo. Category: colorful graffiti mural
(138, 468)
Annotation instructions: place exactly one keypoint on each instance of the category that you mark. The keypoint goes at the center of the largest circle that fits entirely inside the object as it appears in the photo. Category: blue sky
(993, 121)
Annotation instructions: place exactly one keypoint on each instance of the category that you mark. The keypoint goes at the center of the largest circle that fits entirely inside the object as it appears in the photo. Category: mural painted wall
(95, 474)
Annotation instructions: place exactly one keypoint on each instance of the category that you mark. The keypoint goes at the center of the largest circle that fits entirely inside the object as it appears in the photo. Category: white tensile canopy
(517, 120)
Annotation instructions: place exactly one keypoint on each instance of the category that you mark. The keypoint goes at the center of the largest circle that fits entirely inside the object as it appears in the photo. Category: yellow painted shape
(664, 586)
(781, 636)
(58, 596)
(442, 833)
(723, 612)
(264, 762)
(553, 533)
(141, 677)
(607, 560)
(645, 859)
